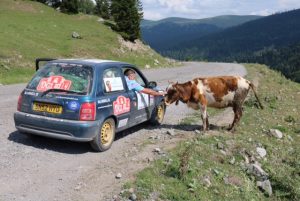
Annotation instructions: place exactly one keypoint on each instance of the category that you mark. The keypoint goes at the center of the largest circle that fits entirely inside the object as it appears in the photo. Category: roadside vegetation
(213, 166)
(29, 30)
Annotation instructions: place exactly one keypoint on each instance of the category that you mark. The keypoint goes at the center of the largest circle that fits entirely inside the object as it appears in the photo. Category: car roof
(93, 62)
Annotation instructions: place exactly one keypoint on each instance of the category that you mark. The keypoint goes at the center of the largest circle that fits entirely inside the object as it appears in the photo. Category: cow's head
(173, 94)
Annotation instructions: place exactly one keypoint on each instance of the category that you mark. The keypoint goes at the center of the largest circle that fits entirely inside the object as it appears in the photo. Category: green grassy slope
(29, 30)
(203, 159)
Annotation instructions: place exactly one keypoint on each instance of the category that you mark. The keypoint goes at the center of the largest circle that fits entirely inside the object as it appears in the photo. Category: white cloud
(264, 12)
(153, 15)
(289, 4)
(157, 9)
(178, 5)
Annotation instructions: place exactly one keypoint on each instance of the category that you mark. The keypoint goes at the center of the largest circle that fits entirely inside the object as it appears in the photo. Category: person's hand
(162, 93)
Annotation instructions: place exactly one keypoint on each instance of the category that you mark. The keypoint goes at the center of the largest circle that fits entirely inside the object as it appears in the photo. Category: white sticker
(113, 84)
(143, 100)
(122, 123)
(105, 100)
(151, 100)
(31, 93)
(105, 106)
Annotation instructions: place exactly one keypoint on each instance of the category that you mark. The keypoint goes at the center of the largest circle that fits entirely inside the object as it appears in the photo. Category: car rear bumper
(80, 131)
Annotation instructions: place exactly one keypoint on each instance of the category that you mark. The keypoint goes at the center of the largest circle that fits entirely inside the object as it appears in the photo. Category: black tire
(158, 114)
(105, 137)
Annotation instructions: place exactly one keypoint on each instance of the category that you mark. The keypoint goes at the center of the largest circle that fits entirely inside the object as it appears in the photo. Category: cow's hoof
(232, 130)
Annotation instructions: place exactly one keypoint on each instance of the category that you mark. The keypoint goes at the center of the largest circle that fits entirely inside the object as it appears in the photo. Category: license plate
(46, 107)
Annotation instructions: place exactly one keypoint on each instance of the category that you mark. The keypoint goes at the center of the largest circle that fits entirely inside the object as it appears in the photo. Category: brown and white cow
(217, 92)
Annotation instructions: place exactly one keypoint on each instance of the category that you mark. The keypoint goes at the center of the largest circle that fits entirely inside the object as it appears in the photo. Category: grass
(29, 30)
(184, 173)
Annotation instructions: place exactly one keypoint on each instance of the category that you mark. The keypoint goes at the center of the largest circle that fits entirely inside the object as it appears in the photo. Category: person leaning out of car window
(133, 85)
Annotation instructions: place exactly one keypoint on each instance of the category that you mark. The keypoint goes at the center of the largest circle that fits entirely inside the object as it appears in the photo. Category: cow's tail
(253, 89)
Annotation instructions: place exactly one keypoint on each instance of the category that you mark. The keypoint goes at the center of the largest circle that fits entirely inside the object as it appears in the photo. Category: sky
(198, 9)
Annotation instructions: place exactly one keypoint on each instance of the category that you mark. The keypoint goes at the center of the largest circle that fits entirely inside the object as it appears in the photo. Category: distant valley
(272, 40)
(166, 33)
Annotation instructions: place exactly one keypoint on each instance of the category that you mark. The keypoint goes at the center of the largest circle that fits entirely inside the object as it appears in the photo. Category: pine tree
(127, 14)
(86, 6)
(52, 3)
(139, 7)
(70, 6)
(102, 9)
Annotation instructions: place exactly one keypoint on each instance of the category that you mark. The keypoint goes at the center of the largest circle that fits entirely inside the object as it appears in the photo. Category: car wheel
(158, 114)
(105, 137)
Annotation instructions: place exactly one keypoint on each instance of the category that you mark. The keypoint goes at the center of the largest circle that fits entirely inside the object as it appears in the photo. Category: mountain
(167, 33)
(276, 30)
(272, 40)
(29, 29)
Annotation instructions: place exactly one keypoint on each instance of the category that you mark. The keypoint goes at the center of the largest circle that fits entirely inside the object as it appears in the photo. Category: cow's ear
(176, 103)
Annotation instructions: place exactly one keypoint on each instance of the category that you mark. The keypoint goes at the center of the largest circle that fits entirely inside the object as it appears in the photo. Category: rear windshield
(63, 76)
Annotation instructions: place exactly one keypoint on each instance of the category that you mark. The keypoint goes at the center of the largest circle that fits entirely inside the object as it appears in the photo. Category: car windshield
(62, 77)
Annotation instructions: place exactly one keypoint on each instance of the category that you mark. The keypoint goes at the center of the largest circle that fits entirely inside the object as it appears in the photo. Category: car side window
(112, 80)
(138, 78)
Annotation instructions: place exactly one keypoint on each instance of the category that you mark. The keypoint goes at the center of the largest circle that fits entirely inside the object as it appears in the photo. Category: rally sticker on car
(122, 123)
(54, 82)
(73, 105)
(113, 84)
(121, 105)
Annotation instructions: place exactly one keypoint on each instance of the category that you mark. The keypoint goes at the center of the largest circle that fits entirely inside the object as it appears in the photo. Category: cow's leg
(238, 111)
(204, 117)
(207, 123)
(203, 104)
(238, 106)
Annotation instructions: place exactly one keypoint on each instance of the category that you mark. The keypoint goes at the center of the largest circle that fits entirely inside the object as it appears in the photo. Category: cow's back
(222, 91)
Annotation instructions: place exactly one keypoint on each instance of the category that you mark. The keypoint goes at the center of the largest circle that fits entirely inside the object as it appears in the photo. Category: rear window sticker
(122, 123)
(113, 84)
(54, 82)
(143, 100)
(73, 105)
(121, 105)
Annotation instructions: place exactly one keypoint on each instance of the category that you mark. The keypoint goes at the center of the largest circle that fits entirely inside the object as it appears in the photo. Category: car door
(113, 99)
(141, 102)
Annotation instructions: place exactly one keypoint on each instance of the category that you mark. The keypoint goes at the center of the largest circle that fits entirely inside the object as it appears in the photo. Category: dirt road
(47, 169)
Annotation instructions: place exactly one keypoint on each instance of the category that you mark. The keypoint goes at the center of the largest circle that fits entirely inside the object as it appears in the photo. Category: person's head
(130, 74)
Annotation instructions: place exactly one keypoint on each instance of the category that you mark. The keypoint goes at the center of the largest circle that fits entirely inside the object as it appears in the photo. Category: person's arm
(152, 92)
(137, 87)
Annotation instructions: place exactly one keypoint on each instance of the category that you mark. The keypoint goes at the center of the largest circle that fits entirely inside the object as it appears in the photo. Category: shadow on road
(45, 143)
(69, 147)
(187, 127)
(65, 146)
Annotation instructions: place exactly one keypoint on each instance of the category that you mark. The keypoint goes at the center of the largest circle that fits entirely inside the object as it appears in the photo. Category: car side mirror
(152, 84)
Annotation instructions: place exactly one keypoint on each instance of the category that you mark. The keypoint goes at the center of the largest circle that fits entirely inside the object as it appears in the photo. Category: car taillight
(87, 112)
(20, 102)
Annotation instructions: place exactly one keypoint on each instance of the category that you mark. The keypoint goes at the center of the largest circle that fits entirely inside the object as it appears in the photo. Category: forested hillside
(272, 40)
(167, 33)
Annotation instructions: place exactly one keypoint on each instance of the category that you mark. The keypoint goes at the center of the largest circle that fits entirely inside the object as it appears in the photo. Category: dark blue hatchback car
(86, 101)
